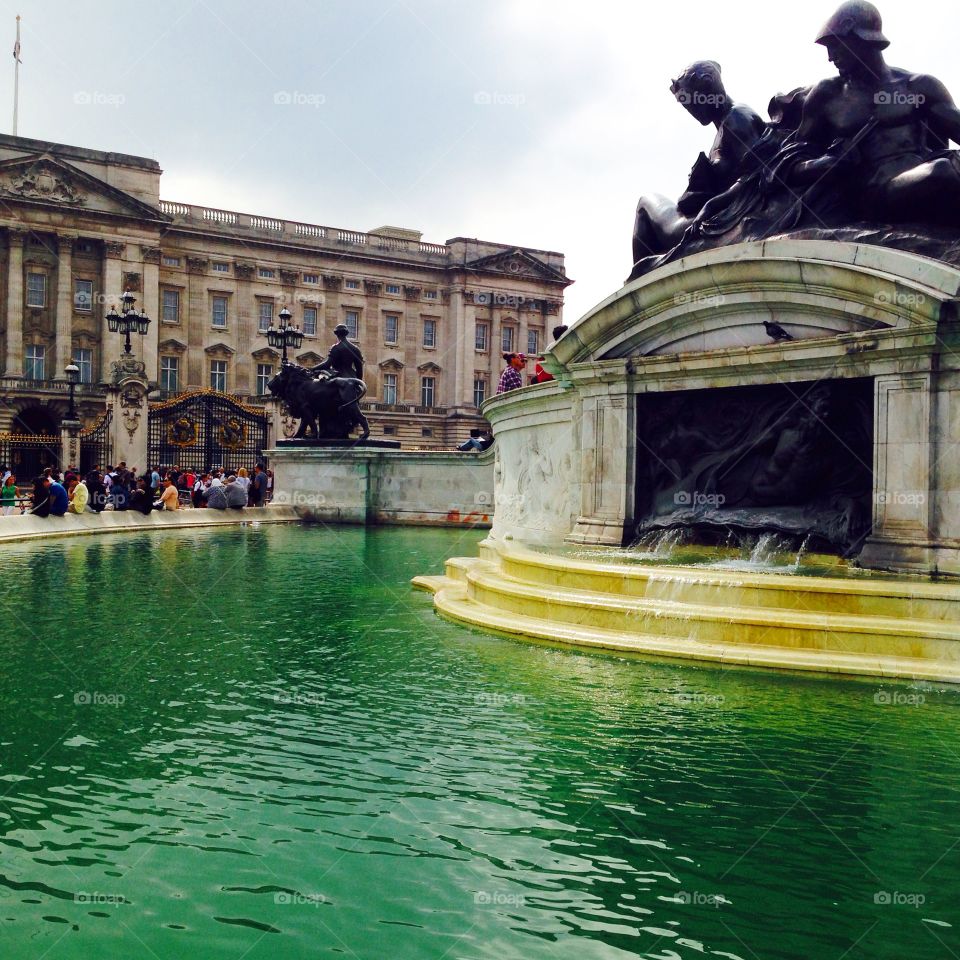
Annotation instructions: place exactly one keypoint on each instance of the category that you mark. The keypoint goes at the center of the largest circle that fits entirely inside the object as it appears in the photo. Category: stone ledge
(28, 527)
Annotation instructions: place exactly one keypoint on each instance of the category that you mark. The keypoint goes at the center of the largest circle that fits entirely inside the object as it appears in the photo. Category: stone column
(197, 321)
(70, 443)
(64, 353)
(14, 365)
(111, 344)
(150, 302)
(331, 306)
(247, 338)
(127, 404)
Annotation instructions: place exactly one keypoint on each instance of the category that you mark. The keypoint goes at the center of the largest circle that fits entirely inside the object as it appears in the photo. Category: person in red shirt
(539, 374)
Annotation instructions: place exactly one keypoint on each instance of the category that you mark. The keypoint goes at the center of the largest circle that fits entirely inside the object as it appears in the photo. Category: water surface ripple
(261, 744)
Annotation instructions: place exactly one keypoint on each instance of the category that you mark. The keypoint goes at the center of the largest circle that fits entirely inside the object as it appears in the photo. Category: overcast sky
(534, 122)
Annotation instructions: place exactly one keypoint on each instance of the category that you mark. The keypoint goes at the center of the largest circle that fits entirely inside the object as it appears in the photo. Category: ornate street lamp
(73, 378)
(285, 335)
(128, 320)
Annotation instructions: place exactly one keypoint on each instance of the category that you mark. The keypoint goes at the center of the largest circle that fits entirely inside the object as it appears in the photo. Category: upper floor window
(264, 376)
(431, 294)
(310, 321)
(429, 332)
(311, 278)
(351, 284)
(352, 320)
(389, 388)
(171, 306)
(170, 374)
(533, 342)
(507, 337)
(427, 391)
(171, 261)
(36, 289)
(219, 316)
(265, 273)
(480, 336)
(393, 288)
(479, 391)
(218, 375)
(220, 267)
(83, 295)
(84, 360)
(391, 328)
(34, 362)
(265, 315)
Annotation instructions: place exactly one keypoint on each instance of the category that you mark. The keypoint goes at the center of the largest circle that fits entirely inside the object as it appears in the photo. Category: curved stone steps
(452, 602)
(701, 614)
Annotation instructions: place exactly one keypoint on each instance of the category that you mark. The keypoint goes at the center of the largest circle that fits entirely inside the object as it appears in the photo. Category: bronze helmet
(856, 18)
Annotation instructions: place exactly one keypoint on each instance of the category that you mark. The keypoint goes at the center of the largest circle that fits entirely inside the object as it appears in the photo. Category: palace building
(82, 226)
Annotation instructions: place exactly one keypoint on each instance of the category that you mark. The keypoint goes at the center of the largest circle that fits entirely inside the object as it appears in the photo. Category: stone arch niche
(848, 323)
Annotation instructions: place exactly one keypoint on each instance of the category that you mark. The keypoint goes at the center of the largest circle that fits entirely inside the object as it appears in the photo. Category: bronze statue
(863, 156)
(328, 408)
(660, 223)
(344, 358)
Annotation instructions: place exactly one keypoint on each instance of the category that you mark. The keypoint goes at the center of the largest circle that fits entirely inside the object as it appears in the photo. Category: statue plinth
(341, 444)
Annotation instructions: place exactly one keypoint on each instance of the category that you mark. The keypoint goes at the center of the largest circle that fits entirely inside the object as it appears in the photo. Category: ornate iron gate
(206, 429)
(95, 449)
(26, 454)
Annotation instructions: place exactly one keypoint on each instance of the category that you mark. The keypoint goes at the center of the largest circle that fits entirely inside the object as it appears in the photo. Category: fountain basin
(856, 626)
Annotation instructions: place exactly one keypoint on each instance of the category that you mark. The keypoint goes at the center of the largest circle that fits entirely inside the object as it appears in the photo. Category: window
(427, 387)
(218, 375)
(352, 321)
(431, 294)
(265, 321)
(219, 318)
(429, 333)
(83, 295)
(480, 336)
(309, 321)
(170, 374)
(171, 261)
(390, 431)
(171, 306)
(352, 284)
(393, 288)
(84, 360)
(506, 339)
(265, 273)
(391, 328)
(311, 278)
(36, 290)
(264, 376)
(479, 391)
(533, 342)
(220, 267)
(389, 388)
(34, 361)
(426, 431)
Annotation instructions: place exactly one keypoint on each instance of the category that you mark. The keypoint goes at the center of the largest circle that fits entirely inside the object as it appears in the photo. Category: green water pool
(260, 743)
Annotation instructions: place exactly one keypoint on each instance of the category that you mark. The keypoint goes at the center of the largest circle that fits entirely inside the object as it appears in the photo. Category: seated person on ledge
(169, 498)
(79, 498)
(235, 493)
(215, 496)
(56, 497)
(141, 499)
(479, 440)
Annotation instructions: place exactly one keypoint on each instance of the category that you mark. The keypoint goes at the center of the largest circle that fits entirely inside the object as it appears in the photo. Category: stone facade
(80, 226)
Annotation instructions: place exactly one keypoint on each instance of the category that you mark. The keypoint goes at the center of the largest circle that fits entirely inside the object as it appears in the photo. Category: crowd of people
(57, 493)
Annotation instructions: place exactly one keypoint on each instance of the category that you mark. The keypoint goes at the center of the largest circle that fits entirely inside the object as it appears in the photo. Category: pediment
(428, 367)
(219, 349)
(265, 355)
(391, 363)
(172, 346)
(309, 359)
(517, 263)
(46, 179)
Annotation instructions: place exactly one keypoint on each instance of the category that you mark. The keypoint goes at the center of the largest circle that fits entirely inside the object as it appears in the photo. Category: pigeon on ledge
(775, 331)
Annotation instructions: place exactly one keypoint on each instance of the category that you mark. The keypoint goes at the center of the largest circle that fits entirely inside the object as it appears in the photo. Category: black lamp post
(128, 320)
(73, 378)
(285, 335)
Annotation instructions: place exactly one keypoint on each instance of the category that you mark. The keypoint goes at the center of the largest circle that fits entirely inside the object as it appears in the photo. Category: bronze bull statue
(328, 408)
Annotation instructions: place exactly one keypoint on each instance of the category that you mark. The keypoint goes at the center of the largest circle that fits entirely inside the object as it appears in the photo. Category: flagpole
(16, 77)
